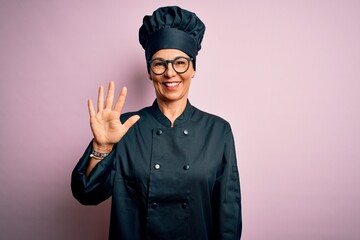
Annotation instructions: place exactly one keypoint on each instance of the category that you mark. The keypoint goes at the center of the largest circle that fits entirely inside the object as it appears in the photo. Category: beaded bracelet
(98, 156)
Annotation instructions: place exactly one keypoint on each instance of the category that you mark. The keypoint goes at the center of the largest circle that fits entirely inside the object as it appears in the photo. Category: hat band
(171, 38)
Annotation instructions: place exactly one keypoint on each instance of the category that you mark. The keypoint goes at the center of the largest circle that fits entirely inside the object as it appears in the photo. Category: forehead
(169, 54)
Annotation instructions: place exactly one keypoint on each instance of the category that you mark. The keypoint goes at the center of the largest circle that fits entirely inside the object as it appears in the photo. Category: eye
(158, 64)
(180, 62)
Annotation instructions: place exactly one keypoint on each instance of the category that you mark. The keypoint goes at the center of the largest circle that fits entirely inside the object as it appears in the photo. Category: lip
(171, 85)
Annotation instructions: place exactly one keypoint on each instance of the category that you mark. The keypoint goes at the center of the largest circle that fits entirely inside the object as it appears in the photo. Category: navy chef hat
(171, 27)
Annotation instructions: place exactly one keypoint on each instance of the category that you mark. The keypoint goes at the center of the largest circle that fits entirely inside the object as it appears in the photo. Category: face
(171, 86)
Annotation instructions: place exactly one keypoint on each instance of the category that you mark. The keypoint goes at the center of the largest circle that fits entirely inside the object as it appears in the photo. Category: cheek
(187, 82)
(187, 78)
(153, 77)
(157, 85)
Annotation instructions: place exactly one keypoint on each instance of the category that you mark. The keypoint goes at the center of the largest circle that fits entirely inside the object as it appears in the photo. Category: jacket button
(154, 205)
(186, 167)
(159, 132)
(186, 132)
(184, 205)
(157, 166)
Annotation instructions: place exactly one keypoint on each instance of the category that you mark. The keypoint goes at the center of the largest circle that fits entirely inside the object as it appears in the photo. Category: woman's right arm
(90, 186)
(105, 123)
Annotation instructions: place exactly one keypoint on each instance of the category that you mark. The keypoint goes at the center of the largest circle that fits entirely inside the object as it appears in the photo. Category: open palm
(105, 123)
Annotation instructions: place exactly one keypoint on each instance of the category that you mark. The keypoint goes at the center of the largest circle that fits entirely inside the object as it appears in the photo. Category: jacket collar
(159, 116)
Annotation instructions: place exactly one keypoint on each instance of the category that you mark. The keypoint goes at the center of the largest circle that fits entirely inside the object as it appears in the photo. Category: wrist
(102, 148)
(98, 156)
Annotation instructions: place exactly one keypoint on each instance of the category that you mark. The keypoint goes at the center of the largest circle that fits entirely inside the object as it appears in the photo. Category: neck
(172, 110)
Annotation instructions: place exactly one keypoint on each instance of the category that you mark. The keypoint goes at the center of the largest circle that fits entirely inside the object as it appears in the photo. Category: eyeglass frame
(167, 64)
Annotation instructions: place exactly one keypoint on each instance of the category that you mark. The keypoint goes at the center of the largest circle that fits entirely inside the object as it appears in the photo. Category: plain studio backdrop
(285, 74)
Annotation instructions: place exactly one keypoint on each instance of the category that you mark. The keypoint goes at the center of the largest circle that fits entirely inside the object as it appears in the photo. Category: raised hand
(105, 123)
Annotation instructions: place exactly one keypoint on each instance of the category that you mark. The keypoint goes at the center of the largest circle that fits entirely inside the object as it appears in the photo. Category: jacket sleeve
(97, 187)
(227, 196)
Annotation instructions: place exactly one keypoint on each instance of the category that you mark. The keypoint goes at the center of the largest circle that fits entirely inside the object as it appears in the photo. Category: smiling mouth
(171, 84)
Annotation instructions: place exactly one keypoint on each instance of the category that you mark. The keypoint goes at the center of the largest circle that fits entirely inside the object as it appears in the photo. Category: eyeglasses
(159, 65)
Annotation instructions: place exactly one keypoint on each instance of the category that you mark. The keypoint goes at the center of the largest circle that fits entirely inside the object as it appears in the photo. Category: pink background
(286, 74)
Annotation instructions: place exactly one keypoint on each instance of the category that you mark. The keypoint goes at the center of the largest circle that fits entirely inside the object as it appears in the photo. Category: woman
(170, 168)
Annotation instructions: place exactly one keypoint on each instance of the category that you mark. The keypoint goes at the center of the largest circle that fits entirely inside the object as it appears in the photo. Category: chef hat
(171, 27)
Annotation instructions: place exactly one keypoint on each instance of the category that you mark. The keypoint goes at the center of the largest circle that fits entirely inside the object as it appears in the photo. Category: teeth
(171, 84)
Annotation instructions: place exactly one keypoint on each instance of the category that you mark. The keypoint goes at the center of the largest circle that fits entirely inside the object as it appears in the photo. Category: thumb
(131, 121)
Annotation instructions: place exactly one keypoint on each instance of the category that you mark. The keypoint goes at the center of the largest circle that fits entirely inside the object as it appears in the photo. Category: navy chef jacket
(166, 182)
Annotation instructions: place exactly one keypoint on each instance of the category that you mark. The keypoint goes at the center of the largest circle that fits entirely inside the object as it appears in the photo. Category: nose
(170, 72)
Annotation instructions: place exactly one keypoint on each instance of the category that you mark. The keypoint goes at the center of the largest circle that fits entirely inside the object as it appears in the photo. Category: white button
(157, 166)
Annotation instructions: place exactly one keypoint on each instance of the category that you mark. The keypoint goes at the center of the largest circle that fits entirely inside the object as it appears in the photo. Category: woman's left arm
(227, 195)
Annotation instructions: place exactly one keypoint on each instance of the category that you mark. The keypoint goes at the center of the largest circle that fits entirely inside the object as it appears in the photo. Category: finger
(91, 108)
(131, 121)
(121, 100)
(100, 102)
(110, 95)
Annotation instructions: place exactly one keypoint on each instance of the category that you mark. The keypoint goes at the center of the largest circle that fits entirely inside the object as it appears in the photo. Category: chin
(171, 97)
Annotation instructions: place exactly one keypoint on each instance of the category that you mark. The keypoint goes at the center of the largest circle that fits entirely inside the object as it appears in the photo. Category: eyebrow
(169, 59)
